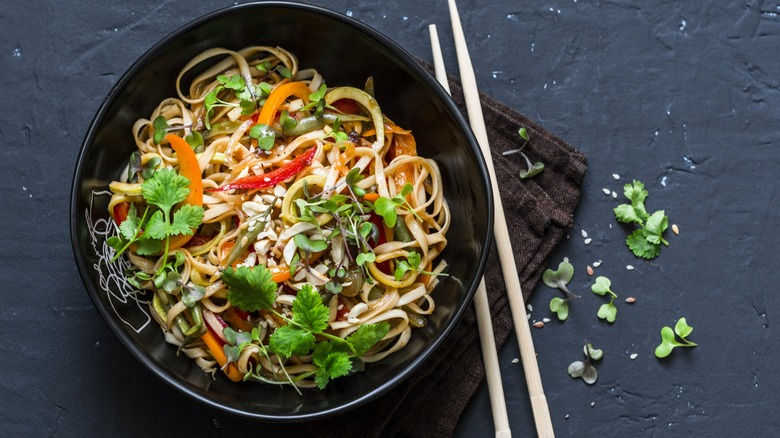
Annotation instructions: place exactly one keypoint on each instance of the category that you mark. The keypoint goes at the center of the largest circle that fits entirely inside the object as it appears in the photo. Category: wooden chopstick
(481, 305)
(503, 243)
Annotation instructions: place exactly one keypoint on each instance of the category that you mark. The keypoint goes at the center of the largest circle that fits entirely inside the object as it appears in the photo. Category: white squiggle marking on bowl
(112, 278)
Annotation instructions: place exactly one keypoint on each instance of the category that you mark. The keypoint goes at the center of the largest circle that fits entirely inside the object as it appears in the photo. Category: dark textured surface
(681, 95)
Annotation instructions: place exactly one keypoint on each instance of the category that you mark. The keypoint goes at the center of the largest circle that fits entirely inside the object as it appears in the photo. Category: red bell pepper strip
(120, 212)
(273, 177)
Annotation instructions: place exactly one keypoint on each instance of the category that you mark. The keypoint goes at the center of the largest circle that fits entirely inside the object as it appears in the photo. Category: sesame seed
(631, 300)
(584, 233)
(546, 320)
(597, 264)
(606, 191)
(515, 360)
(633, 356)
(590, 270)
(529, 307)
(614, 195)
(629, 267)
(566, 417)
(616, 176)
(528, 316)
(675, 229)
(538, 324)
(588, 240)
(592, 404)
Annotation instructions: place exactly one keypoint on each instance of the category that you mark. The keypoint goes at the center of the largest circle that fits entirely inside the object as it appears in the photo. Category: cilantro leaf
(165, 189)
(655, 226)
(627, 214)
(635, 192)
(288, 340)
(147, 247)
(640, 246)
(156, 228)
(250, 288)
(308, 310)
(367, 335)
(335, 364)
(131, 225)
(185, 219)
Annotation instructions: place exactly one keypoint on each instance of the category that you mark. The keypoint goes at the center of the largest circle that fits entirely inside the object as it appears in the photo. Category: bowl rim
(405, 58)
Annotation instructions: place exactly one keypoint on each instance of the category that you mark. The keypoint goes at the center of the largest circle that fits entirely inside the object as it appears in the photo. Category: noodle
(312, 187)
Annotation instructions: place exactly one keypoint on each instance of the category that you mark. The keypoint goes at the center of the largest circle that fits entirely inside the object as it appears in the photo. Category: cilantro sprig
(151, 232)
(646, 241)
(253, 289)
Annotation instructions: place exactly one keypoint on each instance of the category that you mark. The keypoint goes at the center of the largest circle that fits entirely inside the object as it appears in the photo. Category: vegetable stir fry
(287, 231)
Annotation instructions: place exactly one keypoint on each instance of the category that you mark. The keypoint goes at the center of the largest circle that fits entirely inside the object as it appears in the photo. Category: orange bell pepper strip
(278, 96)
(231, 370)
(403, 144)
(190, 169)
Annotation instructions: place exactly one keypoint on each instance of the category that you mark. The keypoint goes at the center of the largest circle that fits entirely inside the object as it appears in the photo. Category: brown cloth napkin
(538, 211)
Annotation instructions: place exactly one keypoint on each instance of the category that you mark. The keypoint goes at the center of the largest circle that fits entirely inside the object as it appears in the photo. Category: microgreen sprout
(644, 242)
(264, 135)
(385, 207)
(585, 369)
(533, 168)
(145, 170)
(607, 311)
(558, 280)
(412, 263)
(669, 342)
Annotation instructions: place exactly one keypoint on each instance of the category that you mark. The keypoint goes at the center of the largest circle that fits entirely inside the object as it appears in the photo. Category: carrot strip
(190, 169)
(231, 370)
(371, 197)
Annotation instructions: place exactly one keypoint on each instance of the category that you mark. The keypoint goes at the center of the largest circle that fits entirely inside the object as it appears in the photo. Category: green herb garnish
(533, 168)
(668, 340)
(607, 311)
(585, 369)
(559, 280)
(644, 242)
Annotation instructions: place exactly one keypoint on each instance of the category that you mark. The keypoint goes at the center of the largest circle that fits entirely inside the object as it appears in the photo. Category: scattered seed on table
(538, 324)
(675, 229)
(606, 191)
(566, 417)
(588, 240)
(597, 264)
(631, 300)
(528, 316)
(529, 307)
(592, 404)
(515, 360)
(584, 233)
(614, 195)
(590, 270)
(616, 176)
(633, 356)
(546, 320)
(629, 267)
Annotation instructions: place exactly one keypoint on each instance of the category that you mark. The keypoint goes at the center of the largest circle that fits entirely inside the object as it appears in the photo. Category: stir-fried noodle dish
(285, 231)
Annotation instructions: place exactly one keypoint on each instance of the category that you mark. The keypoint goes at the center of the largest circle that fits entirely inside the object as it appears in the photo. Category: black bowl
(346, 52)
